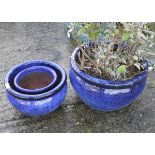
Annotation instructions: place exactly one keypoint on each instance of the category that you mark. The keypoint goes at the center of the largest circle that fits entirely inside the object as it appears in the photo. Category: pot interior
(35, 80)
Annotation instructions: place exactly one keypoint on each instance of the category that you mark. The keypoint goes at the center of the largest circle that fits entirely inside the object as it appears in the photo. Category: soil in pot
(35, 80)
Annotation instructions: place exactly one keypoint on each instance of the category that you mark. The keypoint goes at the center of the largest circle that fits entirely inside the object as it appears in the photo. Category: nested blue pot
(104, 95)
(35, 69)
(39, 103)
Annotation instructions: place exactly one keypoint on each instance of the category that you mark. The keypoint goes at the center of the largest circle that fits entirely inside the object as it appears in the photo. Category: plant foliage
(116, 51)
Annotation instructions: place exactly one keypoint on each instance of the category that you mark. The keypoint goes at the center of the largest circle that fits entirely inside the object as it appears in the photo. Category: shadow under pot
(35, 79)
(105, 95)
(41, 103)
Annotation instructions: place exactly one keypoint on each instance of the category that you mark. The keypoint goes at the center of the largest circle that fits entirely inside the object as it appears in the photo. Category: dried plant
(113, 51)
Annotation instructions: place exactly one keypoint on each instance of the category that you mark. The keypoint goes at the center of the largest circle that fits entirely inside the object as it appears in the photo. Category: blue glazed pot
(105, 95)
(40, 103)
(35, 69)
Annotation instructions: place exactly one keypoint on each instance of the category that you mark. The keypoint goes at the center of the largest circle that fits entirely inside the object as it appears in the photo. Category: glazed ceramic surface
(40, 103)
(105, 95)
(38, 69)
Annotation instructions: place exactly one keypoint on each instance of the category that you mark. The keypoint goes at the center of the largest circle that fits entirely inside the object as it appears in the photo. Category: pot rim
(29, 70)
(101, 82)
(35, 96)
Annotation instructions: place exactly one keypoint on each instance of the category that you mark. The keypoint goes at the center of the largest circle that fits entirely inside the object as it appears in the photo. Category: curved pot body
(40, 103)
(39, 107)
(105, 95)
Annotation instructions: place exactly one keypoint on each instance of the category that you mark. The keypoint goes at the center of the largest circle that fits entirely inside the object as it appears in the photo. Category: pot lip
(41, 95)
(29, 70)
(101, 82)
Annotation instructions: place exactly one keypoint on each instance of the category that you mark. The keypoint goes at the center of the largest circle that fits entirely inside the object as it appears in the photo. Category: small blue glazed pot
(36, 69)
(104, 95)
(40, 103)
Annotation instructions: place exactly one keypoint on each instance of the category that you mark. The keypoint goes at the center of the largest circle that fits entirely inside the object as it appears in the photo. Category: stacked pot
(34, 100)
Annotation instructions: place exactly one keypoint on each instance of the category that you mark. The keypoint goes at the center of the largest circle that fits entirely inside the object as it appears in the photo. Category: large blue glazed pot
(104, 95)
(40, 103)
